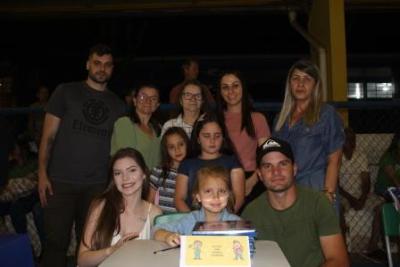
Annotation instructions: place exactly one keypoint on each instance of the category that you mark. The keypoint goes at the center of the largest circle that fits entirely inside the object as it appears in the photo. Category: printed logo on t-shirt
(95, 111)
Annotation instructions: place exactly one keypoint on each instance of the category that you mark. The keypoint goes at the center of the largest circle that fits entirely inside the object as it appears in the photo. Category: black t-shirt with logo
(81, 149)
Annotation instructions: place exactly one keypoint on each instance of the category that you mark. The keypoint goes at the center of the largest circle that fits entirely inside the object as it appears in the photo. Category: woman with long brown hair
(121, 212)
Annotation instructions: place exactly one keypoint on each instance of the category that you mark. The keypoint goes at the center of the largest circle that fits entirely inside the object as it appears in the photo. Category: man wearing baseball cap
(301, 221)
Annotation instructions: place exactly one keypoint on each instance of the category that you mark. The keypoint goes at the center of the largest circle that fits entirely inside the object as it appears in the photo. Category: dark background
(51, 50)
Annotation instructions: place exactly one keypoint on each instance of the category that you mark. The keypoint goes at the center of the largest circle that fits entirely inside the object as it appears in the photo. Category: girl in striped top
(174, 148)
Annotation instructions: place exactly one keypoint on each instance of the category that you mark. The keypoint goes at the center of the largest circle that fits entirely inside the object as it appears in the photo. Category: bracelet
(332, 194)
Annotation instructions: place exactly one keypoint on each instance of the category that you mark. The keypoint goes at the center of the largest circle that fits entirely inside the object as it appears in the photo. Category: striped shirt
(177, 122)
(167, 190)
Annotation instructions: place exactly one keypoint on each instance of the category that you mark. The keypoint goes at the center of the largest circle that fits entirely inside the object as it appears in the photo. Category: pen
(165, 249)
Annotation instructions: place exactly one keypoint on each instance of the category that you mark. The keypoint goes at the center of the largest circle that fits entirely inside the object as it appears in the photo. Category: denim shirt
(185, 225)
(312, 145)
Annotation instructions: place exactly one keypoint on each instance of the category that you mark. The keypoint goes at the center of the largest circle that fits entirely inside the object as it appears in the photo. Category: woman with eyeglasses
(246, 128)
(140, 130)
(191, 105)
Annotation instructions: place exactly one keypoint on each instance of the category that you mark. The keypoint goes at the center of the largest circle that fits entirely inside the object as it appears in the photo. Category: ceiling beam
(55, 8)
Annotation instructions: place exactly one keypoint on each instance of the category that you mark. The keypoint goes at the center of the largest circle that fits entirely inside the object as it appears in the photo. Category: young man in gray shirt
(74, 152)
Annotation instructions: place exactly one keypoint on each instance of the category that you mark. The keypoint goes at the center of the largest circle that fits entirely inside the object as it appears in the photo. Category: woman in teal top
(140, 130)
(389, 167)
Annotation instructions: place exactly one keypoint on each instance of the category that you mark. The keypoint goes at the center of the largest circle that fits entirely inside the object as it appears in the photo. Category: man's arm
(50, 128)
(334, 251)
(358, 203)
(253, 179)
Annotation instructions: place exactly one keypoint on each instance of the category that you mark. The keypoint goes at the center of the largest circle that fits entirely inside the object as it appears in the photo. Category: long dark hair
(226, 147)
(153, 120)
(109, 221)
(247, 105)
(166, 160)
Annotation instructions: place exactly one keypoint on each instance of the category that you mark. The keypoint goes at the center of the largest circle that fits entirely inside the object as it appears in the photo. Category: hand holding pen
(173, 239)
(166, 249)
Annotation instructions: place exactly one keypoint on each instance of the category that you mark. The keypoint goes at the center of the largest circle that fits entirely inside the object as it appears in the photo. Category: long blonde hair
(311, 115)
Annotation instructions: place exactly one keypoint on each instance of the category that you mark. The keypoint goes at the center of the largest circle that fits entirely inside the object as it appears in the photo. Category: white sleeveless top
(144, 234)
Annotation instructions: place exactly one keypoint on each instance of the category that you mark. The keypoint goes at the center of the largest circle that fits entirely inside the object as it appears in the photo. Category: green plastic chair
(168, 217)
(391, 224)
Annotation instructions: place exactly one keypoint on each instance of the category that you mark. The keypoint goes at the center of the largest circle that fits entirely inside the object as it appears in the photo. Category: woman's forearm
(332, 173)
(93, 258)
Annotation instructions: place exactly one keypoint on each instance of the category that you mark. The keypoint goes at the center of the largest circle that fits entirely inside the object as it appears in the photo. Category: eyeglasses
(189, 96)
(144, 98)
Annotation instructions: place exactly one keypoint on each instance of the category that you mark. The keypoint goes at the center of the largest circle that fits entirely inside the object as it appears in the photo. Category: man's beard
(100, 79)
(280, 189)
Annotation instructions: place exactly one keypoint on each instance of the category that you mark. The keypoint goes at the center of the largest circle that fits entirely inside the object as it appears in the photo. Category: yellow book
(215, 251)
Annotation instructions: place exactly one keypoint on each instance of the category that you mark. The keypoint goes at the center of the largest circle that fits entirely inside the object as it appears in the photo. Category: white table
(140, 253)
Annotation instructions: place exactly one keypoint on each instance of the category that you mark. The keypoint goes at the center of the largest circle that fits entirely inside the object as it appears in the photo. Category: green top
(298, 228)
(128, 134)
(383, 181)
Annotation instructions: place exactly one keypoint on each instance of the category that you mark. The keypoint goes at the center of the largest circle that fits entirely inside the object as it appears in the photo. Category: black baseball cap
(274, 144)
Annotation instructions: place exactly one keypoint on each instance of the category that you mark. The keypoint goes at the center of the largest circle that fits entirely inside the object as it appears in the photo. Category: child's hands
(173, 239)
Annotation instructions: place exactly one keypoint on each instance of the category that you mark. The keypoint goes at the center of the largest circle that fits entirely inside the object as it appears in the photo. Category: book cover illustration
(215, 251)
(228, 228)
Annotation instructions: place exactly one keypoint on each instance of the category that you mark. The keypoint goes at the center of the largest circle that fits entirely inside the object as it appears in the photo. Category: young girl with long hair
(174, 148)
(120, 213)
(209, 147)
(213, 192)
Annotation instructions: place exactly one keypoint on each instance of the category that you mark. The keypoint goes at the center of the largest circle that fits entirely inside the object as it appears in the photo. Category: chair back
(15, 250)
(168, 217)
(391, 220)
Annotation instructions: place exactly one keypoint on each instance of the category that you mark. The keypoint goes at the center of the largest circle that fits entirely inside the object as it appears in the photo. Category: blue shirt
(312, 145)
(185, 225)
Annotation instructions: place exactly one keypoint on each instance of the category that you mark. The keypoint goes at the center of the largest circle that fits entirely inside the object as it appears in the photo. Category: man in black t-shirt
(74, 152)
